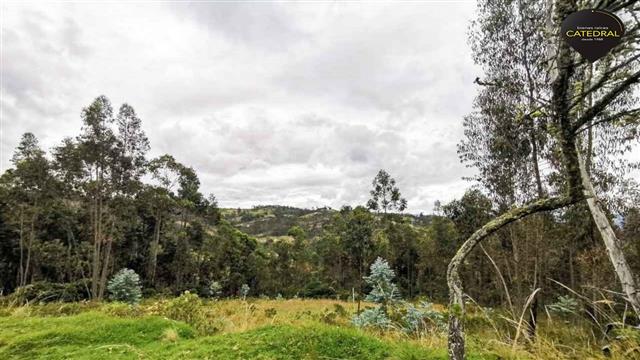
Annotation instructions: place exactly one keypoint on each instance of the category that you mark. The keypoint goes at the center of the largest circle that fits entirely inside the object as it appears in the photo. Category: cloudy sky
(272, 103)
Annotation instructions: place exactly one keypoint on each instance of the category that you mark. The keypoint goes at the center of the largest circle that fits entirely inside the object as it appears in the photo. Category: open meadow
(191, 328)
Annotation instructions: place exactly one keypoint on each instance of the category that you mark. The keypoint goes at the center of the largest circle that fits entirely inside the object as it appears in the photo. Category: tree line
(549, 135)
(95, 204)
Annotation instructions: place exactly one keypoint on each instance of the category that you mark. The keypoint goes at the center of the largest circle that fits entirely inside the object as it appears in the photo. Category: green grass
(272, 329)
(94, 335)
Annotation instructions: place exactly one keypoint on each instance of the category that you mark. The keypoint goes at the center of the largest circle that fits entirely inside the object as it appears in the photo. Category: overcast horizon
(270, 103)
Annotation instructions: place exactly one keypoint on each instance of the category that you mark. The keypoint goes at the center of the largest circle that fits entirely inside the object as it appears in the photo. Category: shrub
(392, 311)
(383, 291)
(214, 290)
(189, 308)
(125, 286)
(340, 310)
(270, 312)
(418, 319)
(170, 335)
(565, 305)
(373, 318)
(244, 291)
(121, 310)
(45, 292)
(317, 289)
(184, 308)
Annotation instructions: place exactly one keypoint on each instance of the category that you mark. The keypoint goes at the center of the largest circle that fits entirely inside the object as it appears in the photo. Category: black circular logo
(593, 32)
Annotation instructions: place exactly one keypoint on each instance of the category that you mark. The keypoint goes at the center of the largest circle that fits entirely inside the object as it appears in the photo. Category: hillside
(276, 220)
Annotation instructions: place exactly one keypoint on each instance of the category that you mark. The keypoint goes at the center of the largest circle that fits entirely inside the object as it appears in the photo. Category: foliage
(372, 317)
(157, 222)
(184, 307)
(61, 321)
(383, 290)
(315, 288)
(188, 307)
(125, 286)
(244, 291)
(43, 292)
(564, 305)
(215, 289)
(385, 195)
(419, 319)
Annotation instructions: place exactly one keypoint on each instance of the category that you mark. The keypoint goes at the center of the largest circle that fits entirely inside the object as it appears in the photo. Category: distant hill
(274, 221)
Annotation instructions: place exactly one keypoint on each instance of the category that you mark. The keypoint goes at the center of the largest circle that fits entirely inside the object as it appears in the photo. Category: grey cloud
(295, 104)
(264, 26)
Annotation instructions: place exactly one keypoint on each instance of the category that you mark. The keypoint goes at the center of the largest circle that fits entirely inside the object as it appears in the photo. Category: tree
(563, 131)
(32, 189)
(125, 286)
(166, 171)
(93, 165)
(385, 195)
(402, 238)
(357, 241)
(133, 146)
(383, 290)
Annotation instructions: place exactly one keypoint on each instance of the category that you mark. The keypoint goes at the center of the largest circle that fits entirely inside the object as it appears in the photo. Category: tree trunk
(153, 254)
(105, 269)
(21, 268)
(29, 246)
(614, 249)
(456, 298)
(359, 287)
(96, 251)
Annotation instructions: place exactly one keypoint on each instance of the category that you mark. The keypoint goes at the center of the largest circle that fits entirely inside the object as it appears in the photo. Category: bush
(270, 312)
(189, 308)
(373, 318)
(125, 286)
(419, 319)
(214, 289)
(244, 291)
(565, 305)
(317, 289)
(383, 290)
(121, 310)
(46, 292)
(184, 308)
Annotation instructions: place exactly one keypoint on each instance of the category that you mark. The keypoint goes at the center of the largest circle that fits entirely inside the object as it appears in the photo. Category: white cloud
(297, 104)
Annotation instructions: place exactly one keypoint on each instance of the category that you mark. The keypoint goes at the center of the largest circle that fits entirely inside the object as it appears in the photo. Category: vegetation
(263, 329)
(546, 241)
(125, 286)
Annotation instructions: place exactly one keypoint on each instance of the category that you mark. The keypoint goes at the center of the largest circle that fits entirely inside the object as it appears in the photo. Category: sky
(283, 103)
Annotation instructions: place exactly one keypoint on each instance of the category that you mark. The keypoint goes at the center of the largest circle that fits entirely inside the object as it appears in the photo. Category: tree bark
(359, 286)
(456, 298)
(153, 261)
(21, 268)
(105, 269)
(96, 251)
(614, 249)
(29, 247)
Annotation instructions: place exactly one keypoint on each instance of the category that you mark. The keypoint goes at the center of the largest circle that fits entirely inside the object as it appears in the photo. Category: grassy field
(189, 328)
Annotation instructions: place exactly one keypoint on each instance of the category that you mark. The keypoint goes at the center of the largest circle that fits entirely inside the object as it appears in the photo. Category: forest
(548, 229)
